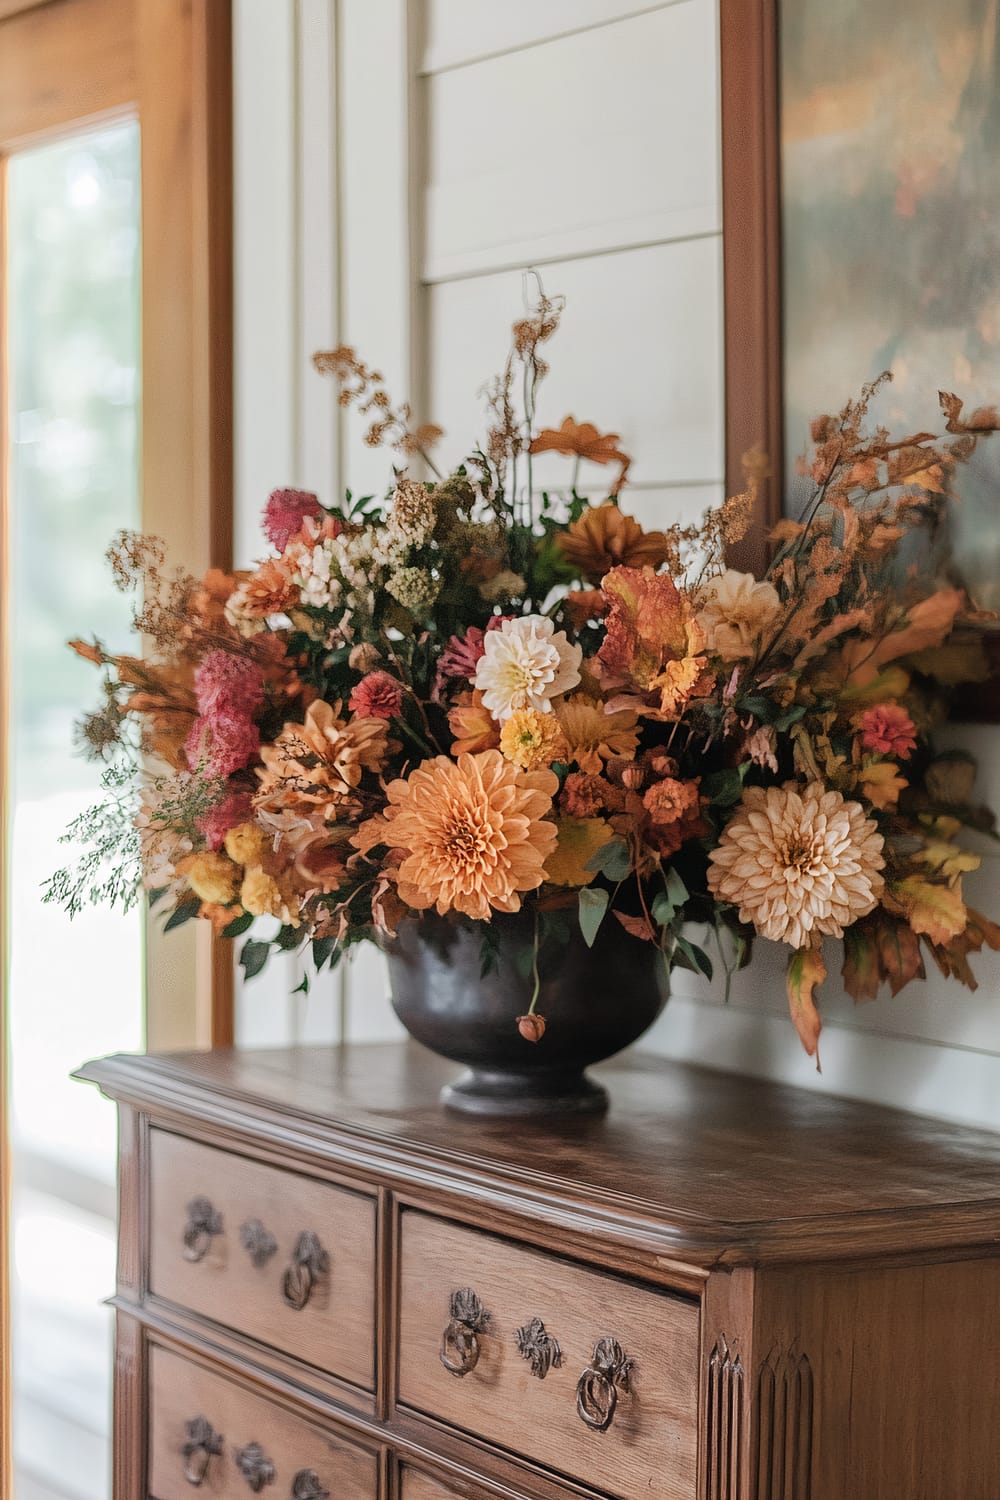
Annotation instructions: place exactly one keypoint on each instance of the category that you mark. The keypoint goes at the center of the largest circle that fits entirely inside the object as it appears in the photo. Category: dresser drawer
(630, 1431)
(207, 1432)
(285, 1259)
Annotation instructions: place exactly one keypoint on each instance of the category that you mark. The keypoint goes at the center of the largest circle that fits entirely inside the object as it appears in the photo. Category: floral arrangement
(470, 697)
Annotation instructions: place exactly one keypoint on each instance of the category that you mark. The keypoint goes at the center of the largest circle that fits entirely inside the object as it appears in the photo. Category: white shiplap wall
(397, 163)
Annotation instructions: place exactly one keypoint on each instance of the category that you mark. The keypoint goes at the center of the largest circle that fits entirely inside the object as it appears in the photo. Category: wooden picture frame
(752, 288)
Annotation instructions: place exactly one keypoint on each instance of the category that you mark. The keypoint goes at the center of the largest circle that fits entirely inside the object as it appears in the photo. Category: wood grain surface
(181, 1390)
(336, 1329)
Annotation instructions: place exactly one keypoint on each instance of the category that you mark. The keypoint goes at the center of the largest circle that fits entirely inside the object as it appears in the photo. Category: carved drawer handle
(598, 1386)
(309, 1261)
(202, 1223)
(255, 1466)
(538, 1346)
(306, 1486)
(201, 1442)
(258, 1242)
(460, 1340)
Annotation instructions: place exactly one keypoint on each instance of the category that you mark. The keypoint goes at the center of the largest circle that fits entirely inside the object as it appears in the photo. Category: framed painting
(861, 209)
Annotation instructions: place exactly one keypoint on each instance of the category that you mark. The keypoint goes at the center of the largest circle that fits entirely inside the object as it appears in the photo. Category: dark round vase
(595, 1001)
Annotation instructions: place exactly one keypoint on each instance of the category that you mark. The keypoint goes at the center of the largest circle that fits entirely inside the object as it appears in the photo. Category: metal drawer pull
(202, 1223)
(539, 1347)
(306, 1486)
(598, 1386)
(200, 1444)
(460, 1341)
(258, 1242)
(255, 1466)
(309, 1261)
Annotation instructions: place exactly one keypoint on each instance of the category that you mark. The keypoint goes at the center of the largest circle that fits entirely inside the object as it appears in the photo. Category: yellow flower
(531, 739)
(213, 877)
(594, 736)
(264, 896)
(579, 841)
(248, 844)
(475, 832)
(799, 862)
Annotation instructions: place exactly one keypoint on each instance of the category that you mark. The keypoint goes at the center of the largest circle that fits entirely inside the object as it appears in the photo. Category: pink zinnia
(234, 809)
(460, 657)
(887, 729)
(221, 745)
(227, 684)
(285, 512)
(377, 696)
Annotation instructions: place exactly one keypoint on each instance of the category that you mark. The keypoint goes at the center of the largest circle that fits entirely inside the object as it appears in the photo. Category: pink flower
(888, 730)
(221, 745)
(284, 514)
(234, 809)
(460, 657)
(227, 684)
(377, 696)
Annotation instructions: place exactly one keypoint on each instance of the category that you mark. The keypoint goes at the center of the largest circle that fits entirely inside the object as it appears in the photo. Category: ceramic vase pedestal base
(487, 1091)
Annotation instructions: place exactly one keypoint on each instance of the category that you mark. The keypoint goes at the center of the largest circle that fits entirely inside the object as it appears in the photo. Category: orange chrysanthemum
(314, 767)
(475, 832)
(270, 590)
(594, 736)
(604, 537)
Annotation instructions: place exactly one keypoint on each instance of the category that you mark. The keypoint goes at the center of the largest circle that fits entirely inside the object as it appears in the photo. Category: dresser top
(702, 1167)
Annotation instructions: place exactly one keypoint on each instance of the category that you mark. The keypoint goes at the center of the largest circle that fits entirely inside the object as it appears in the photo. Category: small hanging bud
(364, 657)
(532, 1028)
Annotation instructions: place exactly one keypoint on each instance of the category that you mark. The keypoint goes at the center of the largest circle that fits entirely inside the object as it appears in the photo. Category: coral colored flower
(594, 736)
(215, 824)
(887, 729)
(284, 514)
(270, 590)
(668, 801)
(460, 657)
(228, 684)
(526, 664)
(531, 739)
(313, 768)
(582, 439)
(737, 614)
(475, 833)
(604, 537)
(377, 696)
(473, 726)
(799, 862)
(583, 795)
(222, 744)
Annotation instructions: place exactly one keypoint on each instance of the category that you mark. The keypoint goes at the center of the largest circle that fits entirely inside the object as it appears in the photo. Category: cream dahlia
(474, 832)
(737, 612)
(799, 863)
(526, 664)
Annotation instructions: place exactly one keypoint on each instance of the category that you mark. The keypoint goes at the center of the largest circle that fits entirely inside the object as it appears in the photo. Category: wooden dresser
(725, 1290)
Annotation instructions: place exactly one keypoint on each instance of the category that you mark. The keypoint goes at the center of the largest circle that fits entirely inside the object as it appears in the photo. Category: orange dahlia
(474, 832)
(315, 766)
(604, 537)
(594, 736)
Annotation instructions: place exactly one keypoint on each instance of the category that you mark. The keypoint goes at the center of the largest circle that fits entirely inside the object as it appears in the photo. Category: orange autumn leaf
(881, 784)
(928, 623)
(578, 841)
(983, 419)
(806, 970)
(637, 927)
(898, 953)
(647, 625)
(582, 440)
(89, 650)
(937, 911)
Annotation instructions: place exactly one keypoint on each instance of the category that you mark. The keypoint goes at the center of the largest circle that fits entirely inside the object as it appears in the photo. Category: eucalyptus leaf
(593, 905)
(253, 957)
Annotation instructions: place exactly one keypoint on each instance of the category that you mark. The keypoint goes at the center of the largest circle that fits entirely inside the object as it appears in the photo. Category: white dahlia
(526, 664)
(737, 613)
(799, 863)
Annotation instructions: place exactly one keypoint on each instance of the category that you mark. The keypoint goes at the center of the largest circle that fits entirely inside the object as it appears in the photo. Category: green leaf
(612, 860)
(323, 950)
(690, 956)
(188, 908)
(725, 788)
(593, 905)
(669, 902)
(238, 926)
(303, 987)
(253, 957)
(288, 938)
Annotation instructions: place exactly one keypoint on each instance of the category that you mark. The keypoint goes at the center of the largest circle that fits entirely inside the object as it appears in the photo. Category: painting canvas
(890, 228)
